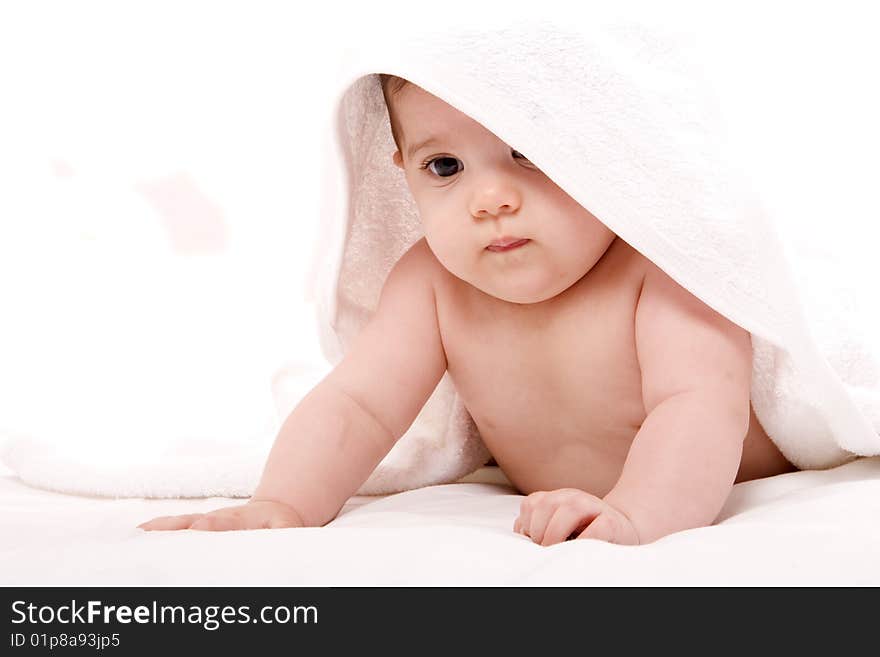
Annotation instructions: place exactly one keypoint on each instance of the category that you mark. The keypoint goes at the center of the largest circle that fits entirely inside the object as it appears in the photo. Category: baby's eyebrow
(415, 148)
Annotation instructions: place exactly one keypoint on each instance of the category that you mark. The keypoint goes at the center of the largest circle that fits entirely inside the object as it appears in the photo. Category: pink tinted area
(193, 223)
(62, 169)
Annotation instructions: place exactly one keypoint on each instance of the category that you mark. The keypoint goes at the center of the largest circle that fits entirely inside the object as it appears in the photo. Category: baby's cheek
(453, 254)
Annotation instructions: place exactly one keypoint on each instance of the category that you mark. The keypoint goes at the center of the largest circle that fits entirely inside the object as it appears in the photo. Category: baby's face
(472, 189)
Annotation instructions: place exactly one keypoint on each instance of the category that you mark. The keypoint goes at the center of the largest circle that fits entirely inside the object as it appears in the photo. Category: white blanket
(815, 528)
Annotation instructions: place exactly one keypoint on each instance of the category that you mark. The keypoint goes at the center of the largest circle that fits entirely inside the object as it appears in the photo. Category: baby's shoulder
(420, 262)
(418, 271)
(623, 263)
(421, 253)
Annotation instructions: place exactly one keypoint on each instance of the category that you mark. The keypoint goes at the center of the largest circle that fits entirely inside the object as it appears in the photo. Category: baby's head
(473, 190)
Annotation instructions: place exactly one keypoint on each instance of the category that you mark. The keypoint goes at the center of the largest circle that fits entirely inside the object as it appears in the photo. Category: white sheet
(803, 528)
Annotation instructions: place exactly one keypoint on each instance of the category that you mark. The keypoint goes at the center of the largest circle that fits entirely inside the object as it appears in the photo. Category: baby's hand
(550, 517)
(262, 514)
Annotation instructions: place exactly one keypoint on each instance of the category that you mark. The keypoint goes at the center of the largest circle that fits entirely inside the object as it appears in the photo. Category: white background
(159, 187)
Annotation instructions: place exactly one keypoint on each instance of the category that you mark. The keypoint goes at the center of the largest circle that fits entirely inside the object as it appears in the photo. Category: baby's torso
(555, 388)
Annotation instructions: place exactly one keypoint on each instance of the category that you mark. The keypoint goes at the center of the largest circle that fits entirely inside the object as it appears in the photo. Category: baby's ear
(398, 159)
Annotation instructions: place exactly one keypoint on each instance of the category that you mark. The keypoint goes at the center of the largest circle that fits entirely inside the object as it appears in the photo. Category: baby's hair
(391, 85)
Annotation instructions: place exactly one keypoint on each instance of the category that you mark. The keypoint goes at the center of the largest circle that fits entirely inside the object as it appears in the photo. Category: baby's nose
(495, 198)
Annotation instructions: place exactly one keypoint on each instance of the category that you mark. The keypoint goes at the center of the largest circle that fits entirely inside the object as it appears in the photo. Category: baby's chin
(525, 278)
(521, 299)
(530, 288)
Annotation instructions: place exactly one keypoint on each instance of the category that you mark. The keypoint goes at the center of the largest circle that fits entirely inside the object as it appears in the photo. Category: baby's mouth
(507, 244)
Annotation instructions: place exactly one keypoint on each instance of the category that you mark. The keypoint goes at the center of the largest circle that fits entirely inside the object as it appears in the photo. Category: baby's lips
(507, 244)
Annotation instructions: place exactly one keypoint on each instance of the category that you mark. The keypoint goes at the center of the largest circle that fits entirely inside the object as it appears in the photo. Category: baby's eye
(445, 166)
(518, 155)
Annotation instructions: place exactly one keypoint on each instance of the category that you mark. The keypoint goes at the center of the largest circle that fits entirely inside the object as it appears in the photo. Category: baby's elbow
(732, 408)
(729, 392)
(739, 416)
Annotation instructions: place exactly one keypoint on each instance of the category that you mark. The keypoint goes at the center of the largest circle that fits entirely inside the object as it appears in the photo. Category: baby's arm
(342, 429)
(696, 374)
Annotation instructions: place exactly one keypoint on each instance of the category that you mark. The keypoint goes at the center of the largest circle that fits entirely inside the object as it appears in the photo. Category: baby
(616, 401)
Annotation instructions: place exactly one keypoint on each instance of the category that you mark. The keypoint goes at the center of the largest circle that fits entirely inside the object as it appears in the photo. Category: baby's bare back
(555, 387)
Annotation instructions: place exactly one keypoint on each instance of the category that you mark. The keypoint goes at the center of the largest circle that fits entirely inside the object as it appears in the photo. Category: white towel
(621, 117)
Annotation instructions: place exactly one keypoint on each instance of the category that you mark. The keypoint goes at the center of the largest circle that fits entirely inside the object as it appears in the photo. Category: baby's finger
(217, 523)
(231, 519)
(164, 523)
(567, 520)
(541, 515)
(602, 528)
(525, 512)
